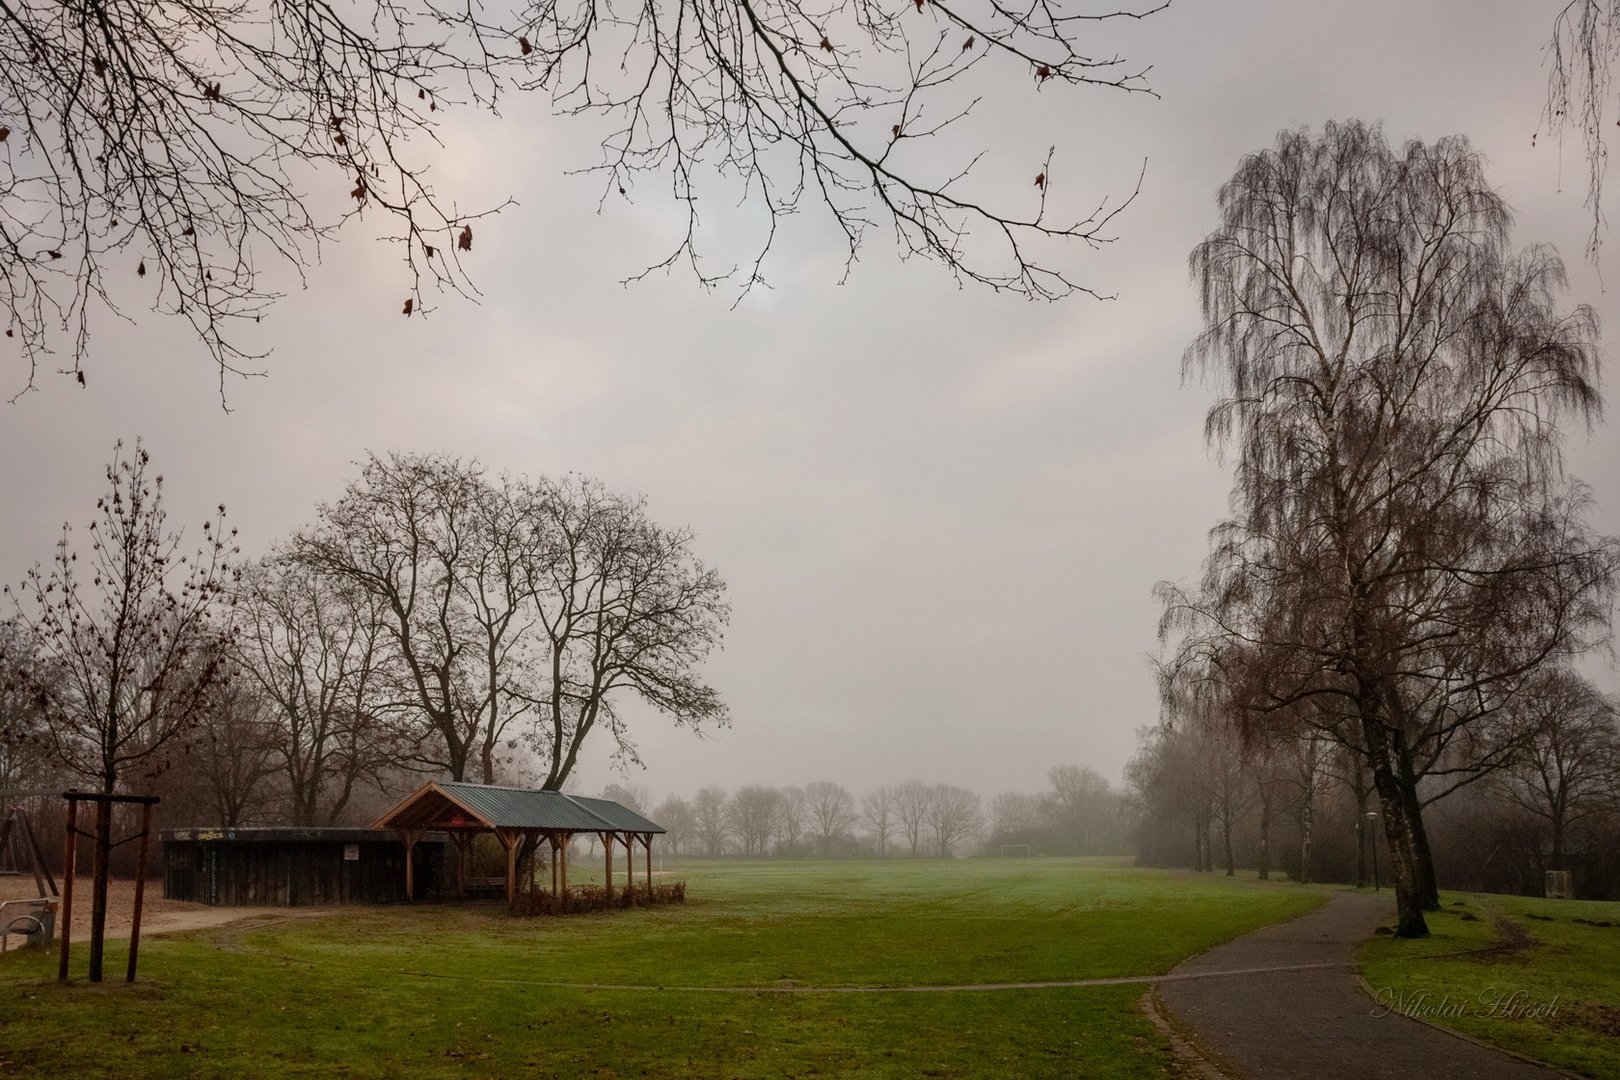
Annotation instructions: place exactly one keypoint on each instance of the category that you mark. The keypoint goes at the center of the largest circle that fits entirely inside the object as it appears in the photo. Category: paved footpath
(1315, 1023)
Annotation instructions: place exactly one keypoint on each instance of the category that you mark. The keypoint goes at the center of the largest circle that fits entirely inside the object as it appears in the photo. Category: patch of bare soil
(159, 916)
(1603, 1019)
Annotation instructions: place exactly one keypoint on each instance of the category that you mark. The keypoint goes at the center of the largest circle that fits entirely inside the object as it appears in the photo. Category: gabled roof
(451, 804)
(620, 816)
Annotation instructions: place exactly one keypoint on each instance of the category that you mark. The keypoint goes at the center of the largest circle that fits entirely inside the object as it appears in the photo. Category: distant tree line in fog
(1078, 813)
(1539, 790)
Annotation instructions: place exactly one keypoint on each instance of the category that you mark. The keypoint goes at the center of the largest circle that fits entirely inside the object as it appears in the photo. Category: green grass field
(462, 992)
(1550, 989)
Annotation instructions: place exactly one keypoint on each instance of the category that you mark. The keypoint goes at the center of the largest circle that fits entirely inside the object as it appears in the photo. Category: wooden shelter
(521, 819)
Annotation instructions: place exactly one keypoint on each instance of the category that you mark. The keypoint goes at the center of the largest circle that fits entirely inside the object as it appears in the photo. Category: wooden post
(555, 847)
(648, 841)
(69, 867)
(562, 861)
(410, 836)
(607, 858)
(463, 861)
(140, 888)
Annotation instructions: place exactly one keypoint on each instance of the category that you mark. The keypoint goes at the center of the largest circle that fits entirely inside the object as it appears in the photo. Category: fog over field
(939, 511)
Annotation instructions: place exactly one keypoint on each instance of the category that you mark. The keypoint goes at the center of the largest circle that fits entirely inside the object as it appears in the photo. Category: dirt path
(160, 916)
(1313, 1022)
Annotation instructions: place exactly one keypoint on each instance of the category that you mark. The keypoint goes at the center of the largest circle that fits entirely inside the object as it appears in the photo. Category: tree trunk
(1226, 836)
(1422, 856)
(1409, 921)
(98, 889)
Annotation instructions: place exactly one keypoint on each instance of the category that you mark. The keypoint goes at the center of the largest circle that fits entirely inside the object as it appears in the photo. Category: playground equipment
(33, 919)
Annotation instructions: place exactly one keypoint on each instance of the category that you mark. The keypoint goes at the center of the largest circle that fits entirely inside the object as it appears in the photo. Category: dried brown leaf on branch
(410, 305)
(464, 239)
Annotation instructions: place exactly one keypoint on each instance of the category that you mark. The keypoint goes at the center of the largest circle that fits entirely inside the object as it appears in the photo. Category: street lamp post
(1371, 817)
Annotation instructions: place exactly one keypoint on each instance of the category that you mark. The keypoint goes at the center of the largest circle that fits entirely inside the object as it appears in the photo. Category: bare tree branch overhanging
(184, 148)
(1581, 54)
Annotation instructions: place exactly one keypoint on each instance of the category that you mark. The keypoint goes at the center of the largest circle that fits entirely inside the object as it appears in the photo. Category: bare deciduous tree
(311, 644)
(622, 606)
(173, 145)
(1581, 55)
(421, 536)
(754, 814)
(1014, 814)
(634, 796)
(518, 610)
(832, 813)
(680, 824)
(1569, 767)
(712, 823)
(1393, 383)
(878, 815)
(24, 760)
(952, 817)
(126, 644)
(911, 801)
(124, 640)
(237, 750)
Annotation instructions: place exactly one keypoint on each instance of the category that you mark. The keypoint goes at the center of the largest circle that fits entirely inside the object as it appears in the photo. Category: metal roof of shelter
(438, 803)
(620, 816)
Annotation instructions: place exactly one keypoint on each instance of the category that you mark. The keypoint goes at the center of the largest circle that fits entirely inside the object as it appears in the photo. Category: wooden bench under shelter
(521, 819)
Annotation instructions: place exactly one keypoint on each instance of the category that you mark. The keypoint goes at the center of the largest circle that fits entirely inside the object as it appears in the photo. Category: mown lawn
(1551, 990)
(459, 992)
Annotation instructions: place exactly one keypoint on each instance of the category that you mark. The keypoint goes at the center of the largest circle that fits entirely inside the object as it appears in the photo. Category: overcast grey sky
(940, 512)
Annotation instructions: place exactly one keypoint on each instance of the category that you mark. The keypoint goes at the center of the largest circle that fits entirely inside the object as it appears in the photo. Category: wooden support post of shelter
(410, 837)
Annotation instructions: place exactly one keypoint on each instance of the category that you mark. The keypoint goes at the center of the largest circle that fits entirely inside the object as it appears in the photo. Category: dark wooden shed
(290, 867)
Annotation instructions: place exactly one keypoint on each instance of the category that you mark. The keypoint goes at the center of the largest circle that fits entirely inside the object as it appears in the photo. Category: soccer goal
(1011, 850)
